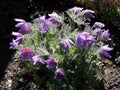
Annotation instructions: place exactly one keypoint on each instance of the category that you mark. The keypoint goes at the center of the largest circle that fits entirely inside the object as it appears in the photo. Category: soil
(9, 82)
(110, 81)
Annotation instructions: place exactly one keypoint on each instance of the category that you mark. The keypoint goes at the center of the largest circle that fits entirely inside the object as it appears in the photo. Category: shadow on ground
(8, 11)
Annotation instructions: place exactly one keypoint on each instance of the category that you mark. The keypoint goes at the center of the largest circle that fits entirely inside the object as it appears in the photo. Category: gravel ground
(9, 82)
(111, 79)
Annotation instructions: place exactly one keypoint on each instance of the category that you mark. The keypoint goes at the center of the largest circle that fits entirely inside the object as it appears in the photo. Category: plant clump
(64, 49)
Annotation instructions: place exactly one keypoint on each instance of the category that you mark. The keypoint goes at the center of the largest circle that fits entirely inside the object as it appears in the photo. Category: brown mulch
(111, 79)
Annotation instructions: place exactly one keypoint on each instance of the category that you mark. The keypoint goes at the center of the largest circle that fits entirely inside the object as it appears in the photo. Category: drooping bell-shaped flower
(44, 27)
(85, 39)
(52, 62)
(105, 51)
(67, 43)
(59, 74)
(98, 25)
(106, 35)
(37, 59)
(24, 27)
(27, 54)
(88, 14)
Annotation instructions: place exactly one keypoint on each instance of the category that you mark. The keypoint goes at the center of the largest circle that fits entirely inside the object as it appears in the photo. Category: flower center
(60, 74)
(26, 51)
(27, 31)
(53, 61)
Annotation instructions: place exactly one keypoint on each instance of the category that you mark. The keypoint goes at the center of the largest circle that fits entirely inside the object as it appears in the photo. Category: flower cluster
(63, 43)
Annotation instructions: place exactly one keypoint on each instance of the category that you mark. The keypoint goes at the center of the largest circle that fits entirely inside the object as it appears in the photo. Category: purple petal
(20, 20)
(37, 59)
(19, 25)
(98, 25)
(106, 54)
(106, 48)
(76, 9)
(16, 34)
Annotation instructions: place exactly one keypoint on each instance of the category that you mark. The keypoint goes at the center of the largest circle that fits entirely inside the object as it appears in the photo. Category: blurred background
(106, 11)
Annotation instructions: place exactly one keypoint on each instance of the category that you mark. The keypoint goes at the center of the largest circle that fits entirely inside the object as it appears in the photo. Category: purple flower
(88, 14)
(96, 31)
(105, 51)
(53, 21)
(24, 27)
(47, 23)
(37, 59)
(98, 25)
(55, 18)
(52, 62)
(17, 41)
(19, 37)
(44, 27)
(106, 35)
(21, 22)
(76, 9)
(17, 34)
(41, 18)
(85, 39)
(54, 15)
(59, 75)
(67, 43)
(27, 53)
(13, 44)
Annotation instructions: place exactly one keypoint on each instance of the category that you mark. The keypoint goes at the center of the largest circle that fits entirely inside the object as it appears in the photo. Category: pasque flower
(54, 15)
(76, 9)
(17, 41)
(44, 27)
(24, 27)
(13, 44)
(67, 43)
(81, 46)
(98, 25)
(55, 18)
(88, 14)
(105, 51)
(19, 37)
(27, 54)
(37, 59)
(40, 18)
(47, 23)
(106, 35)
(85, 39)
(52, 62)
(59, 74)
